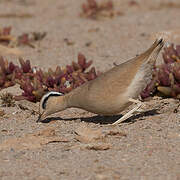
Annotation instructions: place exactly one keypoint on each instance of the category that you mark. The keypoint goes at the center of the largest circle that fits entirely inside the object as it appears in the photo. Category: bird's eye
(47, 96)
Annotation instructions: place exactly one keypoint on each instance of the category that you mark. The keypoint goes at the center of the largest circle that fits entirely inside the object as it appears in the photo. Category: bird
(111, 92)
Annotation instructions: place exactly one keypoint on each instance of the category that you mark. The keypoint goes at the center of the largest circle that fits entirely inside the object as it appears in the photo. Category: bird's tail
(151, 54)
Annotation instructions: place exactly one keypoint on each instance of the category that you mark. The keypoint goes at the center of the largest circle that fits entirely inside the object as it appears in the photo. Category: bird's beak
(41, 117)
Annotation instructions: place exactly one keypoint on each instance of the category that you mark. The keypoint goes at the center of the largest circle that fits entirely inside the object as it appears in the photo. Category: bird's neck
(70, 98)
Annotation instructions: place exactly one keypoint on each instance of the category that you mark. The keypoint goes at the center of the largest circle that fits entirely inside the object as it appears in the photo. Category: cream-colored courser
(111, 92)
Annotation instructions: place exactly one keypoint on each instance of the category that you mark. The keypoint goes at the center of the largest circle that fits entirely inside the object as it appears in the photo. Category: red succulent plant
(35, 83)
(166, 80)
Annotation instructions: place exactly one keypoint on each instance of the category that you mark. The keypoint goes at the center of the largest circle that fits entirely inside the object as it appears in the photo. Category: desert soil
(147, 146)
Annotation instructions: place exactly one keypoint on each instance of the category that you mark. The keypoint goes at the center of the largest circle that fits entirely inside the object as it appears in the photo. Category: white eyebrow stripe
(47, 95)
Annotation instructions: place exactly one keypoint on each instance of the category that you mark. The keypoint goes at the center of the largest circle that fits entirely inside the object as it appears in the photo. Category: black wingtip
(160, 40)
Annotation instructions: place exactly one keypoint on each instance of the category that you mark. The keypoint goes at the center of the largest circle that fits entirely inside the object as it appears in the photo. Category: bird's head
(51, 103)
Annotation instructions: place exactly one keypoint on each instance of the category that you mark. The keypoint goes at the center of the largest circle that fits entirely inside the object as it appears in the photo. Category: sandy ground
(147, 146)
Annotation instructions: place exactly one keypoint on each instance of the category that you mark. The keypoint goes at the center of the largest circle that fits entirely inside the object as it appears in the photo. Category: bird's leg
(136, 101)
(130, 113)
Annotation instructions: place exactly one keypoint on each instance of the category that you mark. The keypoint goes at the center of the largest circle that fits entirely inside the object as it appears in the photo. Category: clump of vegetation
(166, 77)
(36, 82)
(2, 113)
(7, 100)
(93, 10)
(6, 38)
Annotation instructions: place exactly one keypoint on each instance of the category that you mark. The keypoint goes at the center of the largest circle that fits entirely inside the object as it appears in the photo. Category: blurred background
(105, 31)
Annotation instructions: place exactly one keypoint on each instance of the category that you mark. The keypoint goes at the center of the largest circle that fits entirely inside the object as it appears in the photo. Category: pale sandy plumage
(110, 93)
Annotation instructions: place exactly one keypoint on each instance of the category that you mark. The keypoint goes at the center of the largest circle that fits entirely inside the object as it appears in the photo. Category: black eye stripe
(47, 97)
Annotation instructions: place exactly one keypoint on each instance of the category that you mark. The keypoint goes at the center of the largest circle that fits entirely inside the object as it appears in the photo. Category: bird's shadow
(97, 119)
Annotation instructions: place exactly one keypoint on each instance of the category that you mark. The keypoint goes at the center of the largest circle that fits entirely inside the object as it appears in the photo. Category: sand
(147, 146)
